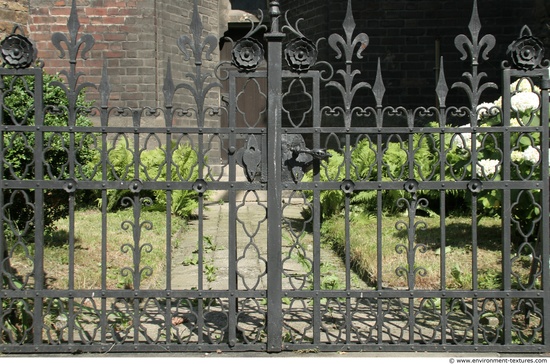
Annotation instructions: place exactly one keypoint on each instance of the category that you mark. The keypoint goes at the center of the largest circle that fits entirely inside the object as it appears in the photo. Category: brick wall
(13, 12)
(173, 21)
(136, 38)
(124, 38)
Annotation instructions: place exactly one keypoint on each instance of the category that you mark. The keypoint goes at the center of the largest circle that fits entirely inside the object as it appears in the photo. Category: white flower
(525, 101)
(486, 109)
(523, 85)
(487, 167)
(514, 122)
(517, 156)
(498, 102)
(467, 142)
(531, 154)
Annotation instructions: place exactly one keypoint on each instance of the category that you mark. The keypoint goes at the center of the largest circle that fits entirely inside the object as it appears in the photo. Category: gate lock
(297, 158)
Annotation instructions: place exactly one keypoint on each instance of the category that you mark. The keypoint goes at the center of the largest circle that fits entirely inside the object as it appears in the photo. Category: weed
(16, 319)
(210, 271)
(192, 259)
(490, 279)
(461, 279)
(208, 246)
(120, 321)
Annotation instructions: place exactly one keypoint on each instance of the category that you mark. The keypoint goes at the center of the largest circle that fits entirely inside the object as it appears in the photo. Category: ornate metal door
(266, 185)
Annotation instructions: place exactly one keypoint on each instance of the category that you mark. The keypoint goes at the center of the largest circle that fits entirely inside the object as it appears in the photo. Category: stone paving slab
(251, 251)
(251, 254)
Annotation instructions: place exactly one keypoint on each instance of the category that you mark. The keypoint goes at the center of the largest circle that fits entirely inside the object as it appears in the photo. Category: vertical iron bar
(39, 205)
(72, 232)
(443, 229)
(474, 260)
(72, 226)
(200, 165)
(104, 224)
(104, 90)
(168, 115)
(442, 90)
(317, 214)
(136, 228)
(379, 225)
(347, 218)
(506, 205)
(411, 229)
(200, 275)
(274, 158)
(474, 126)
(545, 203)
(232, 213)
(72, 96)
(104, 227)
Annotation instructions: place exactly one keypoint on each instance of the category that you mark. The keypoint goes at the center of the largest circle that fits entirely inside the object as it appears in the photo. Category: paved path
(251, 254)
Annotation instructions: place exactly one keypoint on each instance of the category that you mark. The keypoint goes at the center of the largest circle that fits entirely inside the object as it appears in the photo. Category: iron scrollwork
(527, 52)
(347, 48)
(17, 50)
(478, 49)
(301, 54)
(411, 247)
(247, 54)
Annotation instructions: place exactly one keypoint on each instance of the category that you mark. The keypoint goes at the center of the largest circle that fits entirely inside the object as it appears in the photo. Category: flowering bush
(525, 154)
(487, 138)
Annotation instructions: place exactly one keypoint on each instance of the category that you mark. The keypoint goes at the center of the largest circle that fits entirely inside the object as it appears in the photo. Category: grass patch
(394, 252)
(88, 252)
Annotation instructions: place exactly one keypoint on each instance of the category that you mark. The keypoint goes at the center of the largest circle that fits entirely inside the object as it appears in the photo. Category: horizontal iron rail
(304, 294)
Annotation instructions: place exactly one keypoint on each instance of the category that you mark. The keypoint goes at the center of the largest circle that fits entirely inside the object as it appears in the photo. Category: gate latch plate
(297, 158)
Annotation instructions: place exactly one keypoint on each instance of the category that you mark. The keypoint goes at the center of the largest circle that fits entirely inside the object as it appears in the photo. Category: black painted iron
(277, 306)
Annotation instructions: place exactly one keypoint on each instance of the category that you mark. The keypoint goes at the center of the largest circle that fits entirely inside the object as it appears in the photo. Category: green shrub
(426, 152)
(17, 97)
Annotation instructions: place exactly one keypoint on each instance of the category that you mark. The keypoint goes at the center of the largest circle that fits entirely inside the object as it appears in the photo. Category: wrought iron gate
(308, 161)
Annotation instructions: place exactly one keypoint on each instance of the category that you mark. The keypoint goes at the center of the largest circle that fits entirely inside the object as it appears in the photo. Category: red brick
(114, 54)
(94, 11)
(66, 11)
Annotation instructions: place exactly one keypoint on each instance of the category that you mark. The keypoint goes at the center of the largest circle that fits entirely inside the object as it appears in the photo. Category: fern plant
(332, 201)
(184, 168)
(395, 165)
(152, 167)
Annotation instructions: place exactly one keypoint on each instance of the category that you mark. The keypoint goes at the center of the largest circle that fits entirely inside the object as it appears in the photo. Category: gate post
(545, 201)
(274, 40)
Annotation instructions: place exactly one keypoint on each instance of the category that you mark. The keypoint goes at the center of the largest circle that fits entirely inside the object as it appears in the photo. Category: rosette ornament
(247, 54)
(17, 51)
(301, 54)
(527, 52)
